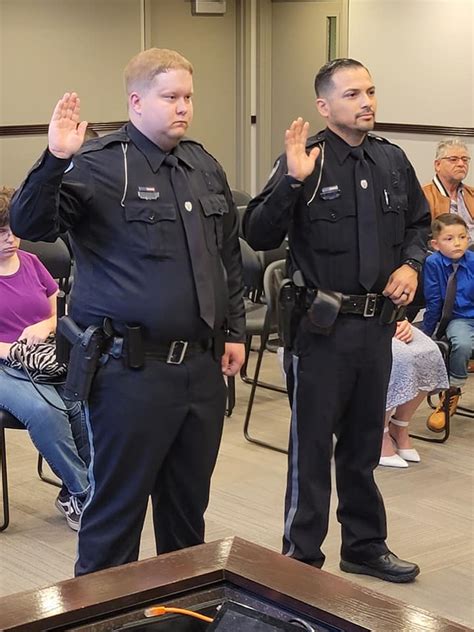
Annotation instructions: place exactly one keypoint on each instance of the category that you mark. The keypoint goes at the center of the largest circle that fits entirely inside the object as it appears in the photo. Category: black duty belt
(367, 305)
(173, 352)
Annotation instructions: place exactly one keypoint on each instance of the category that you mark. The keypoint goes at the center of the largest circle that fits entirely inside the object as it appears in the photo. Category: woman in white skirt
(417, 369)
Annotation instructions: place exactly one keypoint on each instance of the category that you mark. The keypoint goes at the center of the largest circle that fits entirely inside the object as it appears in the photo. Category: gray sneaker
(71, 508)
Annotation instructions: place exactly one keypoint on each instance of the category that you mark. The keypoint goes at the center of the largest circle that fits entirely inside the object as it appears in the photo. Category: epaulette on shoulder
(312, 141)
(385, 141)
(191, 141)
(381, 139)
(97, 144)
(195, 144)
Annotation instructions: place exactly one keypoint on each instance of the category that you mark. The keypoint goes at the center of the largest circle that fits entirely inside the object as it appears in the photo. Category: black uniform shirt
(321, 216)
(132, 263)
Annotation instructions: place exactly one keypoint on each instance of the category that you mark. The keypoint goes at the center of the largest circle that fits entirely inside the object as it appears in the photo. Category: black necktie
(448, 305)
(366, 221)
(200, 259)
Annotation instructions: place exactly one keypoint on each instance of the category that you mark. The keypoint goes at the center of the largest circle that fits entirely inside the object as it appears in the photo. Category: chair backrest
(273, 278)
(252, 270)
(276, 254)
(54, 256)
(241, 200)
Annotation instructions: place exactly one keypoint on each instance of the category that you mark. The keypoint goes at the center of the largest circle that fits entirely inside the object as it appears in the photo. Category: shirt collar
(343, 149)
(154, 154)
(449, 262)
(441, 188)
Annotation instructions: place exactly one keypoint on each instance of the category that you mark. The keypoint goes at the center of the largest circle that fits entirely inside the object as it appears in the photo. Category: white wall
(209, 42)
(420, 148)
(50, 46)
(421, 56)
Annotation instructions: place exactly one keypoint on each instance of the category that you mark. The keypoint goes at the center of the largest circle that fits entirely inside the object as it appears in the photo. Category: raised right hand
(66, 131)
(300, 164)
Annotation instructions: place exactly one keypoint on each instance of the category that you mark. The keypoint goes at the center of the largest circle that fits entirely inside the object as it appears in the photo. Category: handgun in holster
(289, 312)
(82, 350)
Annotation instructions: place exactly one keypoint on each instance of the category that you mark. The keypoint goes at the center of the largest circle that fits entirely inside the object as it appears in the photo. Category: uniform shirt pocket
(395, 207)
(333, 225)
(214, 208)
(152, 227)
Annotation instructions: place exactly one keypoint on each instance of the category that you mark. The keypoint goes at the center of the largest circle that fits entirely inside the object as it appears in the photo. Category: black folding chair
(241, 200)
(272, 280)
(254, 308)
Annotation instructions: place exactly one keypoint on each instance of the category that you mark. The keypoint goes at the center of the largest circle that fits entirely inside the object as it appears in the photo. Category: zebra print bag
(38, 360)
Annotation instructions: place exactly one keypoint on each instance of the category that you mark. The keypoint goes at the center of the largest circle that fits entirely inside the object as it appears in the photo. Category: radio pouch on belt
(323, 311)
(86, 349)
(135, 352)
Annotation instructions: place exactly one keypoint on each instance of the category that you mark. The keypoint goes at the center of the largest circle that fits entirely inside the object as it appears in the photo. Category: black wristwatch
(413, 263)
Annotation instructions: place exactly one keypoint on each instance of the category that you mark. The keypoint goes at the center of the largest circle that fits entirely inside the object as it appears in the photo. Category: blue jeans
(460, 333)
(59, 435)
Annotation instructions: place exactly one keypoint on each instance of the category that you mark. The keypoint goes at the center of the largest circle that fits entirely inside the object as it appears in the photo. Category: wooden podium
(207, 575)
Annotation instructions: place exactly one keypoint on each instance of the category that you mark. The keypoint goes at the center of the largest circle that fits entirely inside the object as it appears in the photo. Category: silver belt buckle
(370, 305)
(177, 352)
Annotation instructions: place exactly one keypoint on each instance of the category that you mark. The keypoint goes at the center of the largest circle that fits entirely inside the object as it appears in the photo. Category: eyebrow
(372, 87)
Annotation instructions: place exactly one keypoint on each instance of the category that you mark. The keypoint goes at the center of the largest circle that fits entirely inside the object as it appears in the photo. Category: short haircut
(446, 144)
(143, 68)
(323, 81)
(6, 194)
(446, 219)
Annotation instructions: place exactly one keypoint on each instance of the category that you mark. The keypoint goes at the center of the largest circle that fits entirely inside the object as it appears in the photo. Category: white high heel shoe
(392, 461)
(408, 454)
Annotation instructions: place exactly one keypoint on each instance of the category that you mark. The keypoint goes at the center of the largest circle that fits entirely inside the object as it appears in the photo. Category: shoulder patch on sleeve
(274, 170)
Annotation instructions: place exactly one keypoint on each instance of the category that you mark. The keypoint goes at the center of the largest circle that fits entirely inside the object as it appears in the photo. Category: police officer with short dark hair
(357, 225)
(154, 233)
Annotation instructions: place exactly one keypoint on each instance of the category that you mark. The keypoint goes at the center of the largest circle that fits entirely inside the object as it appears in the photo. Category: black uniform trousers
(154, 432)
(337, 385)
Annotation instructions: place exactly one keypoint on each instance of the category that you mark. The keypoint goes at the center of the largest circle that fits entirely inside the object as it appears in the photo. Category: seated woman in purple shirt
(28, 312)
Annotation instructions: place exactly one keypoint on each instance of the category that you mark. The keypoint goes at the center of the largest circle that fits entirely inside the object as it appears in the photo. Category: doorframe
(254, 87)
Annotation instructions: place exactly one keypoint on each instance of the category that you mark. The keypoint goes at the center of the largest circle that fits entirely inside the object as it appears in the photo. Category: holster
(85, 351)
(323, 311)
(391, 313)
(290, 311)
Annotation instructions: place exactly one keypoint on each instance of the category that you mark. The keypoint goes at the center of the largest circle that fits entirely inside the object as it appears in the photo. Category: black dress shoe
(388, 567)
